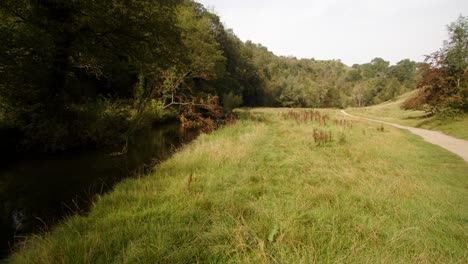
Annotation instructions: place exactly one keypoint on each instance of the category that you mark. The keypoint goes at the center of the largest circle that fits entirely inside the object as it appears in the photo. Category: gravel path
(455, 145)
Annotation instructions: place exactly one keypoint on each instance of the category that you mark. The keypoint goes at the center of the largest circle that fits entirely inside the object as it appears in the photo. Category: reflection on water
(36, 193)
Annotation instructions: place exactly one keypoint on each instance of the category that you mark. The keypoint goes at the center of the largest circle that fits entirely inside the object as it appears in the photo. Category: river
(36, 193)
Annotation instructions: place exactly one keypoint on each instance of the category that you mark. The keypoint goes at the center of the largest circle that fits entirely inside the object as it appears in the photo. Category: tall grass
(264, 192)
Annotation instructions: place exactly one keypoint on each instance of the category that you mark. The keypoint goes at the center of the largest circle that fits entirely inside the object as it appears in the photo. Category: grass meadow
(278, 186)
(456, 126)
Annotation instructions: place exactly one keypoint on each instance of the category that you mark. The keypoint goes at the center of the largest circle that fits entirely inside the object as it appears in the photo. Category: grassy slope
(391, 112)
(263, 192)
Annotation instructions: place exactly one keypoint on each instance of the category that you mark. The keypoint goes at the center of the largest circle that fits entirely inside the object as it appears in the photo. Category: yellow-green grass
(261, 191)
(391, 112)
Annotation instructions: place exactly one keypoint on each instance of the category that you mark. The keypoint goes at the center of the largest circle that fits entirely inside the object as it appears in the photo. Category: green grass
(391, 112)
(261, 191)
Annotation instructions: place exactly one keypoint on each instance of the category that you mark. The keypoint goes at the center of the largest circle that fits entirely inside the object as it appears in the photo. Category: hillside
(391, 111)
(279, 186)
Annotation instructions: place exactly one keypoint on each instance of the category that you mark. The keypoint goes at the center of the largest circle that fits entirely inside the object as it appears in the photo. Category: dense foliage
(84, 72)
(292, 82)
(443, 78)
(88, 73)
(69, 68)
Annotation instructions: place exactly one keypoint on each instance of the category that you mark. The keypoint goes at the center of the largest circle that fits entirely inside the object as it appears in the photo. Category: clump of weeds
(343, 123)
(304, 117)
(321, 137)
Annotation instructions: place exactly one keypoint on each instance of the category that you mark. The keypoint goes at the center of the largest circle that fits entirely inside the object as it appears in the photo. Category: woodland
(87, 74)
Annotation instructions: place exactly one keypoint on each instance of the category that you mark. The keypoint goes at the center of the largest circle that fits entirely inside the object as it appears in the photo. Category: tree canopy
(87, 73)
(443, 78)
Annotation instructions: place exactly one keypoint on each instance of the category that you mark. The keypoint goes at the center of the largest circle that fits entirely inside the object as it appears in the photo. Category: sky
(354, 31)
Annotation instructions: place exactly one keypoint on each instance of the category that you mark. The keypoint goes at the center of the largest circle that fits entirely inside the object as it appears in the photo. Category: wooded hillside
(90, 73)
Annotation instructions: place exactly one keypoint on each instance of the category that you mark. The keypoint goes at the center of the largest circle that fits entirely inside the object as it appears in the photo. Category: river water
(36, 193)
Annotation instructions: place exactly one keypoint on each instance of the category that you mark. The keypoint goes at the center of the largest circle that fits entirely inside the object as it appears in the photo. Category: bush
(231, 101)
(450, 113)
(155, 112)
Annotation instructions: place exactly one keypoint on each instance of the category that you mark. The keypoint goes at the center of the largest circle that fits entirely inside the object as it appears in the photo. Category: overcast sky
(355, 31)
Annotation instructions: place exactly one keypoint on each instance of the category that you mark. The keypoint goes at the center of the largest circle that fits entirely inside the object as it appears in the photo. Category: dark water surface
(36, 193)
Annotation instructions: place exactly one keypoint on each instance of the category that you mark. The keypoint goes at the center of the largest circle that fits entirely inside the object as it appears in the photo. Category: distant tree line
(291, 82)
(90, 73)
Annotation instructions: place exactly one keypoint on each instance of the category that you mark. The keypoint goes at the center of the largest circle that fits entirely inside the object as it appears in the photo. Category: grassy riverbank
(262, 191)
(391, 112)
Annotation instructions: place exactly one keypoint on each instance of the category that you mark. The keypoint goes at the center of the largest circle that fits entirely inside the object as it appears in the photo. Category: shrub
(231, 101)
(321, 137)
(155, 112)
(450, 113)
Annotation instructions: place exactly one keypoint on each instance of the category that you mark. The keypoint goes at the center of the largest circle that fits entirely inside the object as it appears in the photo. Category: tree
(354, 75)
(443, 80)
(404, 71)
(78, 73)
(203, 58)
(378, 67)
(203, 55)
(359, 94)
(57, 54)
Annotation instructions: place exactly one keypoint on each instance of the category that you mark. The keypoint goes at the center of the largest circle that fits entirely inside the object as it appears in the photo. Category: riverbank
(38, 191)
(278, 187)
